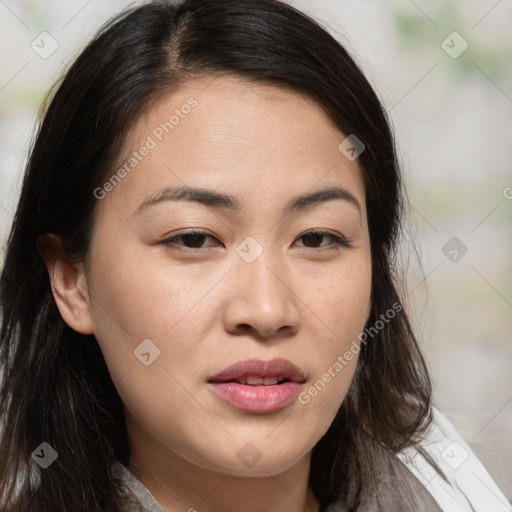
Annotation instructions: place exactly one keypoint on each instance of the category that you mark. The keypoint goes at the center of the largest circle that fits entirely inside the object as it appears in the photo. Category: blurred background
(443, 70)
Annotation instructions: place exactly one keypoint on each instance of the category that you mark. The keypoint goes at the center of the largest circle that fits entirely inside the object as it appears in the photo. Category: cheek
(339, 305)
(135, 299)
(149, 324)
(340, 301)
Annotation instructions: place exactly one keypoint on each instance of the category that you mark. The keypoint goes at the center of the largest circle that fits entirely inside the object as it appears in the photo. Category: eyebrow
(219, 200)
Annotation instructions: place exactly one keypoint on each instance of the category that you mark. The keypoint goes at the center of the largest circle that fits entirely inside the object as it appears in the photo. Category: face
(183, 288)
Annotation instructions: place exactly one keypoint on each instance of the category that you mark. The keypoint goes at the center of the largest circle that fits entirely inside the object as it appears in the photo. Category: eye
(314, 237)
(192, 239)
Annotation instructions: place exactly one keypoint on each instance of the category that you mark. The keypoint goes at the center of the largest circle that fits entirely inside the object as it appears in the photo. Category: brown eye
(314, 238)
(192, 239)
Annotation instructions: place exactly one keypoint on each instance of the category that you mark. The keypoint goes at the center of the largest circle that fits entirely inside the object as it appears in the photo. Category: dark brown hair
(56, 387)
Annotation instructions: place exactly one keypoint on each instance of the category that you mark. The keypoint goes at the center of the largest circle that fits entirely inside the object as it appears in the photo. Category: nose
(263, 303)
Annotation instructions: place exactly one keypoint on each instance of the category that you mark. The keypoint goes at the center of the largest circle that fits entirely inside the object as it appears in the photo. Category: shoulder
(468, 485)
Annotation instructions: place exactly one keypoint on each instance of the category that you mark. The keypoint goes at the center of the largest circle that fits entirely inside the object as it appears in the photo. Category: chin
(272, 466)
(249, 461)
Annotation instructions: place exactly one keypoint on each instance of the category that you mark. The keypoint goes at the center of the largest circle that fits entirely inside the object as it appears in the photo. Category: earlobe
(68, 284)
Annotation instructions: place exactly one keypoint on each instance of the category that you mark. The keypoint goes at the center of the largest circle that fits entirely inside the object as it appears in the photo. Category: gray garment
(140, 499)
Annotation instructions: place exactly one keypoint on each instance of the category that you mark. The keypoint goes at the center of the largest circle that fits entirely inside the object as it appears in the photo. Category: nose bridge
(263, 298)
(262, 268)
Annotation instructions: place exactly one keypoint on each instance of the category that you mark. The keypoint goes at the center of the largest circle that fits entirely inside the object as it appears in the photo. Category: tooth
(254, 380)
(269, 381)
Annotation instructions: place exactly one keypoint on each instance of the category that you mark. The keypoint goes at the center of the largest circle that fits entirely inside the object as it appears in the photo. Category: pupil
(310, 237)
(193, 239)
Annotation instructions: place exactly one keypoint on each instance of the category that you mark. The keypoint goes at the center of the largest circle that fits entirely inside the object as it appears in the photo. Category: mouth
(257, 380)
(258, 386)
(255, 372)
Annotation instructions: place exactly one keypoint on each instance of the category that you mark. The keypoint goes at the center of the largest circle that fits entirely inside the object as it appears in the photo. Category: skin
(206, 308)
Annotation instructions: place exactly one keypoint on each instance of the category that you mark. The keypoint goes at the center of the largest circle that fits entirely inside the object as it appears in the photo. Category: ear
(68, 284)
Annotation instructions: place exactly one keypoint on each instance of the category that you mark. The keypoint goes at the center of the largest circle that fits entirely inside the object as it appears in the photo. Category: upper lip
(279, 368)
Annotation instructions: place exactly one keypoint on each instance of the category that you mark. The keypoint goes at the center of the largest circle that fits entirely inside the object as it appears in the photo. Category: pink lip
(258, 398)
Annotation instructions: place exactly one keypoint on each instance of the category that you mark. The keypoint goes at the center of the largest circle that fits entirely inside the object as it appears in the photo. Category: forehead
(235, 135)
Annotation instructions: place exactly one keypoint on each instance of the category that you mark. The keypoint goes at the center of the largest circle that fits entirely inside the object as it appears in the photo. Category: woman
(176, 333)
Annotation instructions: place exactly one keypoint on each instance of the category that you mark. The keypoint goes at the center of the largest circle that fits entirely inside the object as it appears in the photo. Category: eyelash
(339, 241)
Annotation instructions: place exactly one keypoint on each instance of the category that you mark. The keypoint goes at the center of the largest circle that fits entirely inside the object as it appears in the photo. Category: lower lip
(257, 398)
